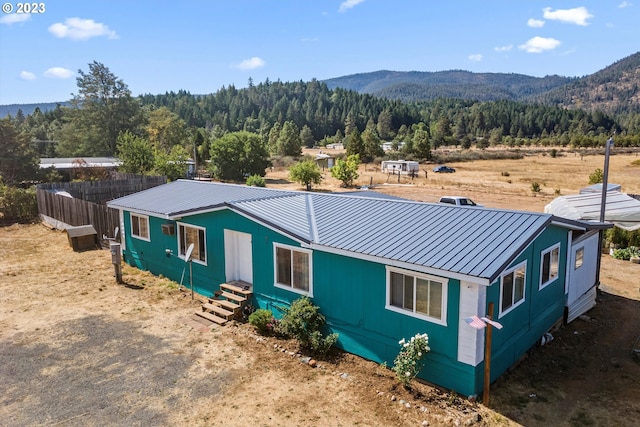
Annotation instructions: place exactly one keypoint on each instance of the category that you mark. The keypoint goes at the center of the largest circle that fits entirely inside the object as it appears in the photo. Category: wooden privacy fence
(102, 191)
(75, 211)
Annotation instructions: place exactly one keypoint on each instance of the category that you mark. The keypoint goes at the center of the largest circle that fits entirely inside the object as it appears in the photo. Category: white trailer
(403, 167)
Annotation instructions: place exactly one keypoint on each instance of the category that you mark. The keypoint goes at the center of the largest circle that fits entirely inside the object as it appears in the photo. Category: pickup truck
(458, 201)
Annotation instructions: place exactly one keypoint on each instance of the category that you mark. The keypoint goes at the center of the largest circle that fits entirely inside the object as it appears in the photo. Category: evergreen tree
(18, 161)
(421, 145)
(372, 145)
(306, 137)
(289, 143)
(354, 143)
(101, 110)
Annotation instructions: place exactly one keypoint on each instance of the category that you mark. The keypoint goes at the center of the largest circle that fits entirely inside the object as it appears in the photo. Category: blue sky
(200, 46)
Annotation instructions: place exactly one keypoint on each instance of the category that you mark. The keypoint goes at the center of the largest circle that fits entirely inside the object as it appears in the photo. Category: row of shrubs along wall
(82, 203)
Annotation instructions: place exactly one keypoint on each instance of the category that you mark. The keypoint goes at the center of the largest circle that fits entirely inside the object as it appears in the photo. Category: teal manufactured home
(379, 269)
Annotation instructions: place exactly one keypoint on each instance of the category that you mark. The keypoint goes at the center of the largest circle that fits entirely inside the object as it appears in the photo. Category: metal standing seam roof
(184, 197)
(474, 242)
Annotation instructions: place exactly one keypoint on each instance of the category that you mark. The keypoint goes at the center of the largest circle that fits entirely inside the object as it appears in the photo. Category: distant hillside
(12, 109)
(425, 86)
(613, 89)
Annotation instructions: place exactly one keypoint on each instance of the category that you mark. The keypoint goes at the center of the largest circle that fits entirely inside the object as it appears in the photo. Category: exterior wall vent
(169, 229)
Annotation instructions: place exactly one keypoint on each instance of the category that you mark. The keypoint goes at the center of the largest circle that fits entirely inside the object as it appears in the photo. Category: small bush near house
(627, 253)
(410, 361)
(255, 181)
(263, 321)
(304, 322)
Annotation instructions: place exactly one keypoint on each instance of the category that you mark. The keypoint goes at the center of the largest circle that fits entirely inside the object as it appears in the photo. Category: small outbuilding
(83, 238)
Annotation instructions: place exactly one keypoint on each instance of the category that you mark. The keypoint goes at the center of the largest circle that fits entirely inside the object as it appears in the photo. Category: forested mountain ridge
(613, 89)
(425, 86)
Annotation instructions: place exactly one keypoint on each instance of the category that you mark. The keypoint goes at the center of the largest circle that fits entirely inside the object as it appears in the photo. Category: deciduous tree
(346, 170)
(306, 173)
(238, 155)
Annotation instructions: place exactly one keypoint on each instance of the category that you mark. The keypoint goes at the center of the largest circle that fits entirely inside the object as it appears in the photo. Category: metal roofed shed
(621, 210)
(597, 188)
(83, 238)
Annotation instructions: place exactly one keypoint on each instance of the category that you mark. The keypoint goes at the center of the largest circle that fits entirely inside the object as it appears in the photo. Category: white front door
(582, 268)
(238, 263)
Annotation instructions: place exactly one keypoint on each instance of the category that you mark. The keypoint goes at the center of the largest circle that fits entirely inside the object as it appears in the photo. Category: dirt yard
(77, 349)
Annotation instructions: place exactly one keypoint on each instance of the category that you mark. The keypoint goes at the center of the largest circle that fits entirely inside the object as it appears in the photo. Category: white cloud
(578, 15)
(27, 75)
(14, 18)
(476, 57)
(506, 48)
(539, 44)
(625, 4)
(535, 23)
(81, 29)
(348, 4)
(310, 40)
(251, 63)
(58, 73)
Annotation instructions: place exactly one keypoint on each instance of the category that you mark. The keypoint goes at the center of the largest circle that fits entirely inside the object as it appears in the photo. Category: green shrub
(304, 322)
(504, 173)
(626, 253)
(410, 360)
(18, 203)
(255, 181)
(622, 238)
(263, 321)
(596, 177)
(535, 187)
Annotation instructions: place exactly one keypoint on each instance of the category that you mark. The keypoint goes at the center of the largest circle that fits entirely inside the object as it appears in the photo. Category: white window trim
(445, 287)
(179, 236)
(524, 290)
(542, 254)
(142, 217)
(275, 269)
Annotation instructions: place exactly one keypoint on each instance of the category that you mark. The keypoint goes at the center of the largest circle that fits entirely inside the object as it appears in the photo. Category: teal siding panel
(542, 308)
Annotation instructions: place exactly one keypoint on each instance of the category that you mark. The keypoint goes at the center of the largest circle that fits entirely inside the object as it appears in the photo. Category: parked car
(443, 169)
(458, 201)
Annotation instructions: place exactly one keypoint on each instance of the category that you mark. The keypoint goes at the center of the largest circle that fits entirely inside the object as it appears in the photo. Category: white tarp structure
(621, 210)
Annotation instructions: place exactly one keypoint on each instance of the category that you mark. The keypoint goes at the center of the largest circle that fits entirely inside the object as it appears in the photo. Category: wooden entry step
(227, 303)
(212, 317)
(237, 287)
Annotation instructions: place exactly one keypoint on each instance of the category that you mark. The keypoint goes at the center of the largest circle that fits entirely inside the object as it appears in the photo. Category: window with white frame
(549, 265)
(293, 269)
(417, 294)
(512, 288)
(188, 234)
(140, 226)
